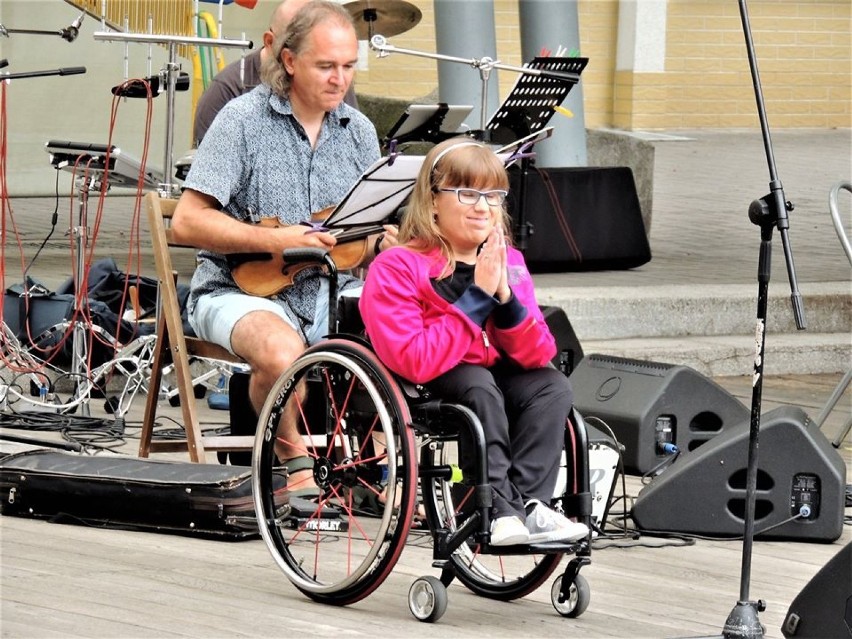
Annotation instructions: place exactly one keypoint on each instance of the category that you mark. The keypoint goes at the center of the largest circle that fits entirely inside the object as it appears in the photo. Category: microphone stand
(768, 212)
(5, 32)
(69, 33)
(78, 349)
(380, 44)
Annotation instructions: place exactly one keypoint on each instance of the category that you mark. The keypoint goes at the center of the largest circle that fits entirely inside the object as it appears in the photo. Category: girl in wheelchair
(453, 308)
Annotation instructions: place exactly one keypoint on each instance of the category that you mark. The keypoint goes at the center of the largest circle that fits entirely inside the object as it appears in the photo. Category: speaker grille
(630, 365)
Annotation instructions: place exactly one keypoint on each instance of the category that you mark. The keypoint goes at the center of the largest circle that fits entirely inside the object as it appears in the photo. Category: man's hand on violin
(300, 236)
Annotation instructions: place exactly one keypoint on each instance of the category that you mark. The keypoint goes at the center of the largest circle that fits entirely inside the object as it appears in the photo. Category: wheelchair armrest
(301, 255)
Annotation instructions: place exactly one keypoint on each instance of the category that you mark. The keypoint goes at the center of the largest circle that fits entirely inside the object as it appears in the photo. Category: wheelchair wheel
(339, 545)
(497, 576)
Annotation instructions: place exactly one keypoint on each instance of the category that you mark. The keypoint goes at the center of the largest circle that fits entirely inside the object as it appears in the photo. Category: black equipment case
(208, 500)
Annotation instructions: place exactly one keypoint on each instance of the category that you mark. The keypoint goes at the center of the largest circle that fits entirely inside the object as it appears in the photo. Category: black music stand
(526, 110)
(532, 101)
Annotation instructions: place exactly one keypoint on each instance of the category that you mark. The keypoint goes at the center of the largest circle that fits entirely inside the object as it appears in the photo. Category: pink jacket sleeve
(413, 330)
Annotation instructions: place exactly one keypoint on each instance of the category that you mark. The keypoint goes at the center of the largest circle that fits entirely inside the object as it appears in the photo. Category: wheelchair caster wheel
(427, 599)
(576, 602)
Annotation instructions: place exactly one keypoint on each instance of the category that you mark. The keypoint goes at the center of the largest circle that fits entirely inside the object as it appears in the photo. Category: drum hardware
(69, 33)
(390, 17)
(137, 89)
(170, 75)
(102, 166)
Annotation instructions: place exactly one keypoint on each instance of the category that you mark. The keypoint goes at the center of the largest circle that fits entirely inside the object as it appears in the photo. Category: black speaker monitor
(824, 607)
(801, 482)
(650, 406)
(569, 352)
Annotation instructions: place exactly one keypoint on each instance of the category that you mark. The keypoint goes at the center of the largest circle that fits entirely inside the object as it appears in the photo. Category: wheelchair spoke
(339, 543)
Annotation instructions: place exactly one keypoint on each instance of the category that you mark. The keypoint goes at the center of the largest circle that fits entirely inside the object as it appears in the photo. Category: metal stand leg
(829, 406)
(79, 352)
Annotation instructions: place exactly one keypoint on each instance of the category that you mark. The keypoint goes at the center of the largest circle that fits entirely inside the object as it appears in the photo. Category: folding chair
(175, 347)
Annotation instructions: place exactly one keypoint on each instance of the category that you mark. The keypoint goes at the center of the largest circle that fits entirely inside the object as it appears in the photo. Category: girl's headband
(447, 150)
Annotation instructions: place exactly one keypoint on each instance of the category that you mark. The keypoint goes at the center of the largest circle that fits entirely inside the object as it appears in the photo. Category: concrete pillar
(641, 51)
(466, 30)
(548, 24)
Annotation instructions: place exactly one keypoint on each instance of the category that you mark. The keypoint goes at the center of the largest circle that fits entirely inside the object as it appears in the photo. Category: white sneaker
(545, 524)
(509, 531)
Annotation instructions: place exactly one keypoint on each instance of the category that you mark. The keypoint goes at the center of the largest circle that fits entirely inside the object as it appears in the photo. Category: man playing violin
(241, 76)
(285, 149)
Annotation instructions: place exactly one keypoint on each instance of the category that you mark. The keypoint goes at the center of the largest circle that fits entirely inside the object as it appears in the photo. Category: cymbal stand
(380, 44)
(170, 73)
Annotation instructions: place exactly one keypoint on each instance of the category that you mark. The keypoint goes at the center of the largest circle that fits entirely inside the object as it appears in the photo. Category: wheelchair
(373, 438)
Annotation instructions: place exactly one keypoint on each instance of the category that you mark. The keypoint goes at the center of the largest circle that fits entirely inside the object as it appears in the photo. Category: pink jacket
(419, 335)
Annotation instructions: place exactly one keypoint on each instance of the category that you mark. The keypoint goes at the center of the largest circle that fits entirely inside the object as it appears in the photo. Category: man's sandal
(295, 465)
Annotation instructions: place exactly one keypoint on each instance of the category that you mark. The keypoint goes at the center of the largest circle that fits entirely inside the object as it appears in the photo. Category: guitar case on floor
(207, 500)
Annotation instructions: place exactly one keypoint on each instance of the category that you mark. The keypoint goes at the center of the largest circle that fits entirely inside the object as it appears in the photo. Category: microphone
(135, 88)
(72, 70)
(71, 32)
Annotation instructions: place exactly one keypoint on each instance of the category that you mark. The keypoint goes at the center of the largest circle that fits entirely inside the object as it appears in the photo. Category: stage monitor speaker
(569, 352)
(824, 606)
(801, 483)
(242, 417)
(650, 406)
(583, 218)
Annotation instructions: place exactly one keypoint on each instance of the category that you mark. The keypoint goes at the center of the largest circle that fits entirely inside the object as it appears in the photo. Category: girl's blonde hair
(458, 162)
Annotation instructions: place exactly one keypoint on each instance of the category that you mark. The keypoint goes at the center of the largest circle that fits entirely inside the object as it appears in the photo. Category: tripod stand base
(743, 621)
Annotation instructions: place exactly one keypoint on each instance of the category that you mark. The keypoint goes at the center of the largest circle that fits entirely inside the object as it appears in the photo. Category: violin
(267, 274)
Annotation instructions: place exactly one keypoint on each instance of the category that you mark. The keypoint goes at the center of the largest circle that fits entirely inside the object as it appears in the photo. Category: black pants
(523, 415)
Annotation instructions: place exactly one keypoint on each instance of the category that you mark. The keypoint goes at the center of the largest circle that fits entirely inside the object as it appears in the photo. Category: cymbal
(384, 17)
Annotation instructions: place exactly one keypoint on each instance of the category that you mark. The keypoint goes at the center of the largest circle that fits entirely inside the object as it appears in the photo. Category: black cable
(762, 531)
(620, 469)
(50, 422)
(53, 221)
(656, 470)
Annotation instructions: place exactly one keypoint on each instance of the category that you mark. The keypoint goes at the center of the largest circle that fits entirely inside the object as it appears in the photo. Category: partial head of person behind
(295, 40)
(278, 21)
(452, 164)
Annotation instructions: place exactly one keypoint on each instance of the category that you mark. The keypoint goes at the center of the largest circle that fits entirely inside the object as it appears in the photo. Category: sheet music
(375, 198)
(385, 186)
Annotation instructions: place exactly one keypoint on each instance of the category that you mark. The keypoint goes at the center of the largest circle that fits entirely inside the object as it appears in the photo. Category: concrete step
(712, 328)
(618, 312)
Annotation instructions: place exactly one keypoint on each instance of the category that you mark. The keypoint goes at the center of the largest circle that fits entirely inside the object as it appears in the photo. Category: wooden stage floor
(63, 580)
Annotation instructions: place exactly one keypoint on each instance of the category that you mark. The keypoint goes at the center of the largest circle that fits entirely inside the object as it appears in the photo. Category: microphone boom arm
(379, 44)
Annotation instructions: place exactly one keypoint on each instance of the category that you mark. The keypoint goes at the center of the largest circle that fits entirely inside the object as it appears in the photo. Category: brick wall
(803, 49)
